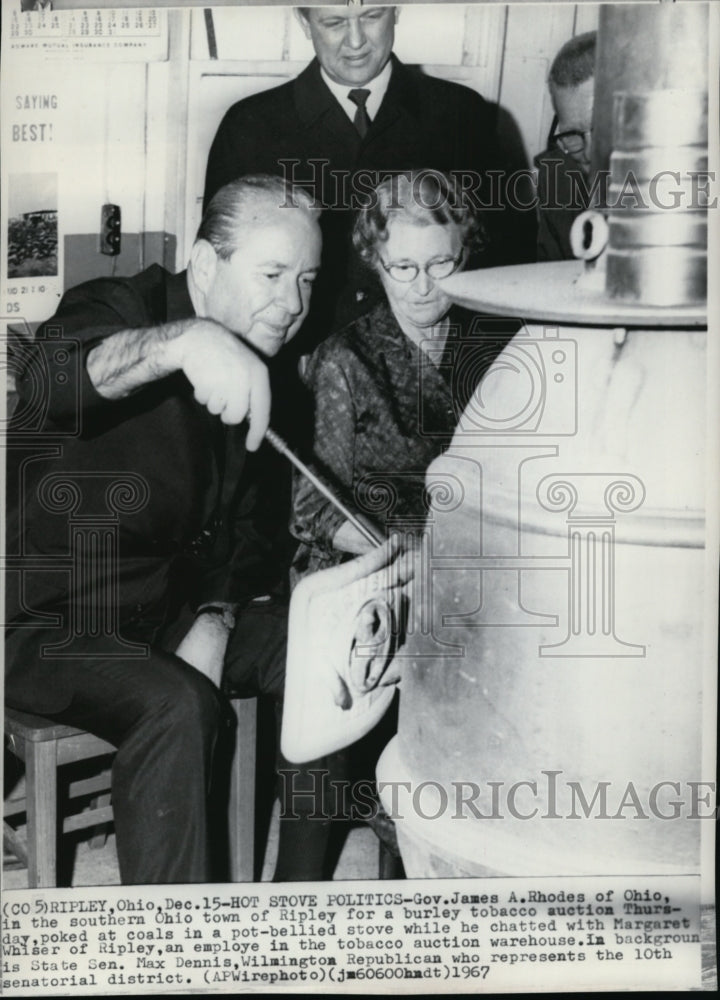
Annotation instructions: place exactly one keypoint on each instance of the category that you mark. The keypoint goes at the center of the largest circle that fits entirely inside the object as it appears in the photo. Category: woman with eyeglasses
(390, 388)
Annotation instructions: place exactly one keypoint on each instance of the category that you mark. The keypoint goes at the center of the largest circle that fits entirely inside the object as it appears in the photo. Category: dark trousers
(169, 723)
(164, 718)
(255, 663)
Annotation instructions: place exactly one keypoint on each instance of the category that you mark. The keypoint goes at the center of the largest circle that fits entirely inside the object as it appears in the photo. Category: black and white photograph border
(531, 678)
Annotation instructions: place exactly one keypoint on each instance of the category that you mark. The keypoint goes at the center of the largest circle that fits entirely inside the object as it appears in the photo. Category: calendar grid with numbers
(130, 33)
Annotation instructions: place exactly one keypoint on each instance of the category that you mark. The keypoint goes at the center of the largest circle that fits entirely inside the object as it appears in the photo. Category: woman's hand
(348, 538)
(205, 643)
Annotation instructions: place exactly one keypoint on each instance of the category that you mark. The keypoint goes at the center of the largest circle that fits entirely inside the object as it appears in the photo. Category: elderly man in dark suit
(131, 520)
(353, 115)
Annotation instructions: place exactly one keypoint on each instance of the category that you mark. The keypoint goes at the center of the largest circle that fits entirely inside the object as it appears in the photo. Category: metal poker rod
(278, 444)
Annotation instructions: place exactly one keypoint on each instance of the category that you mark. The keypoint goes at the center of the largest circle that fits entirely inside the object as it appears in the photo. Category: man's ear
(302, 20)
(397, 14)
(203, 261)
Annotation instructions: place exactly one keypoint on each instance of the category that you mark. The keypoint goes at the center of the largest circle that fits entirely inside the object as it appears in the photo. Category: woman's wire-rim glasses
(407, 271)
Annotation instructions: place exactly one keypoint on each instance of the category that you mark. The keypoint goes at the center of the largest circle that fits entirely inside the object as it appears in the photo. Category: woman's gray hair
(244, 201)
(423, 198)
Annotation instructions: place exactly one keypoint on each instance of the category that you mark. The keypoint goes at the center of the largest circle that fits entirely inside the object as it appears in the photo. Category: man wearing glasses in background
(563, 167)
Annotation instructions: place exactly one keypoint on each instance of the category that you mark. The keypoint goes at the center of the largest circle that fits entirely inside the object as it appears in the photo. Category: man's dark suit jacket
(175, 483)
(562, 195)
(300, 131)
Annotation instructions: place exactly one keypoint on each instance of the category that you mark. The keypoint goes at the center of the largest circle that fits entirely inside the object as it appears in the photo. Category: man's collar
(377, 87)
(403, 89)
(313, 98)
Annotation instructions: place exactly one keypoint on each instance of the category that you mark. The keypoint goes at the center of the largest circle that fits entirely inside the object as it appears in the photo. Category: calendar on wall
(123, 34)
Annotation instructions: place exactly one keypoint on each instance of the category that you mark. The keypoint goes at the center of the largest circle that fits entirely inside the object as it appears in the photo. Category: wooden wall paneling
(241, 33)
(485, 27)
(176, 110)
(102, 158)
(431, 35)
(534, 34)
(215, 87)
(586, 17)
(299, 49)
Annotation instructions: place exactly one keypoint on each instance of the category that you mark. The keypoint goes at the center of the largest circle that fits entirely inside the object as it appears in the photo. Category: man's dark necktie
(361, 121)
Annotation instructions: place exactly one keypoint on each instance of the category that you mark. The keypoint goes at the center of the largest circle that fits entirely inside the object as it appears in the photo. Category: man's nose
(290, 297)
(355, 35)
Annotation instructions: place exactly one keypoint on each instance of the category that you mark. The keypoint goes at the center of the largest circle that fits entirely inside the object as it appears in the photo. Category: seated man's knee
(196, 704)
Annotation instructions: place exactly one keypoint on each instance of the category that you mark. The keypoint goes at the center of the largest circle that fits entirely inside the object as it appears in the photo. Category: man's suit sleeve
(246, 141)
(252, 569)
(256, 541)
(560, 201)
(549, 242)
(491, 150)
(57, 358)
